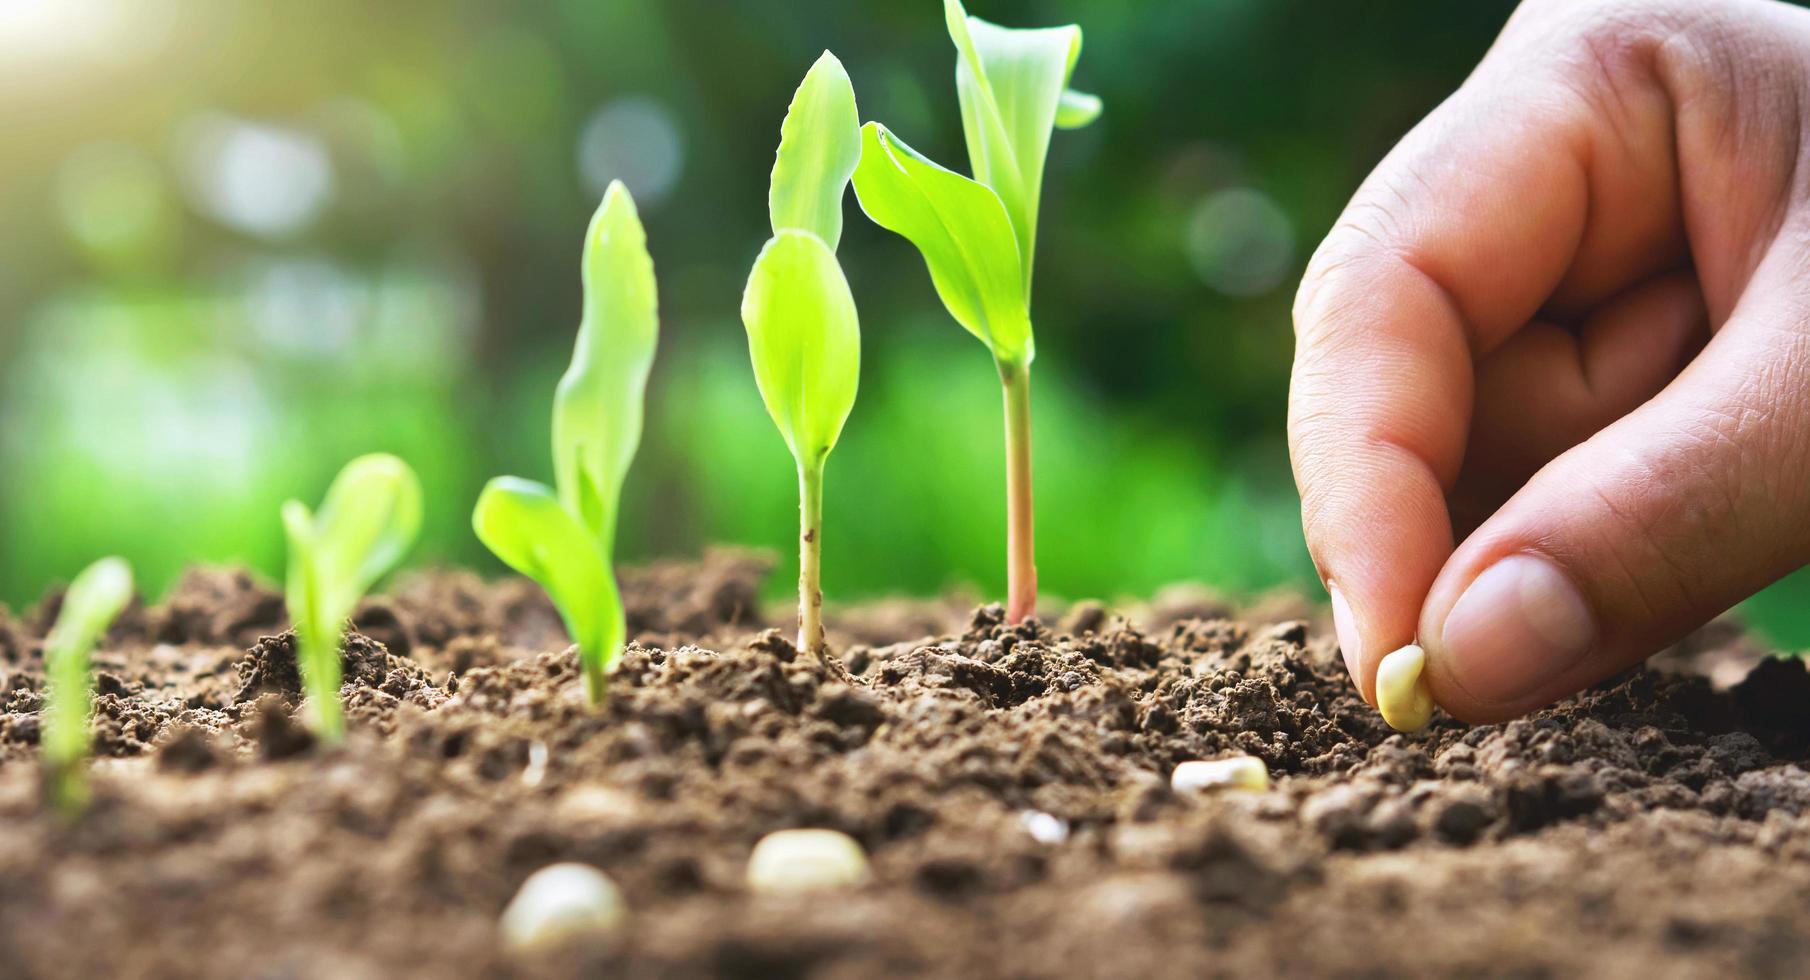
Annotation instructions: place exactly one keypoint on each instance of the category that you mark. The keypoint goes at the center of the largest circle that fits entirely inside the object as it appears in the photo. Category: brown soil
(1654, 827)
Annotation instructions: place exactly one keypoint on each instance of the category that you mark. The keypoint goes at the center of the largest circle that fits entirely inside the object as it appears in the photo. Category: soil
(1657, 825)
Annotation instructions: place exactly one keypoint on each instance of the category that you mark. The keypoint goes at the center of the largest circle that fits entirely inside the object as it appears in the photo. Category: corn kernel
(806, 860)
(562, 902)
(1402, 694)
(1241, 772)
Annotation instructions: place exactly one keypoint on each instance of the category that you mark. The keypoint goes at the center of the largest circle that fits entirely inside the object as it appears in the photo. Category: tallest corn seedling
(978, 236)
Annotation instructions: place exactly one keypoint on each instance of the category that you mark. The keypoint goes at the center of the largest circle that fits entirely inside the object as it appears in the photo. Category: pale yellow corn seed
(806, 860)
(560, 903)
(1402, 694)
(1241, 772)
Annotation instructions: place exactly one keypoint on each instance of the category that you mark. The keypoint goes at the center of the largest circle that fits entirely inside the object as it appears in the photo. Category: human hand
(1567, 323)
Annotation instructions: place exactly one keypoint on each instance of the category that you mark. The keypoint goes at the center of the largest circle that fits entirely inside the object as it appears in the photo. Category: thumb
(1643, 532)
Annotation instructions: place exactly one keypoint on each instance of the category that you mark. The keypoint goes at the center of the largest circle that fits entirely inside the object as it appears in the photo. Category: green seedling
(978, 236)
(803, 335)
(91, 603)
(563, 538)
(367, 522)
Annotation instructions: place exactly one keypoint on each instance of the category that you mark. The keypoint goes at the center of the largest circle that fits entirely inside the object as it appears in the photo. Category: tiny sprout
(91, 603)
(564, 538)
(806, 861)
(1241, 772)
(560, 903)
(803, 334)
(1402, 694)
(978, 236)
(366, 524)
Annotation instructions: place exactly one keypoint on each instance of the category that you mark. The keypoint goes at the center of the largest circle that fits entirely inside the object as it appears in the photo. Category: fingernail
(1520, 623)
(1346, 628)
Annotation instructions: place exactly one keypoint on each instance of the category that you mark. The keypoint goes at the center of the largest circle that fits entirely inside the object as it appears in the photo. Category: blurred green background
(243, 242)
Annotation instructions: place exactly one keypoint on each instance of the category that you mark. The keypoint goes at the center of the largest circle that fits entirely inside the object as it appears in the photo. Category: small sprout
(564, 538)
(560, 903)
(803, 334)
(1240, 772)
(1402, 694)
(91, 603)
(1044, 828)
(978, 237)
(806, 860)
(367, 523)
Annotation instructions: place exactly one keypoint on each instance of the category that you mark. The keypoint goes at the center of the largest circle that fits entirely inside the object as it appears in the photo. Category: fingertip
(1379, 553)
(1351, 643)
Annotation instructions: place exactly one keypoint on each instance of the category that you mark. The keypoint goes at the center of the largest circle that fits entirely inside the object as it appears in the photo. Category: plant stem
(1021, 558)
(319, 658)
(65, 737)
(596, 684)
(810, 556)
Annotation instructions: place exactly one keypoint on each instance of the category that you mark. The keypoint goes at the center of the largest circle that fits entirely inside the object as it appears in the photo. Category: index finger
(1454, 242)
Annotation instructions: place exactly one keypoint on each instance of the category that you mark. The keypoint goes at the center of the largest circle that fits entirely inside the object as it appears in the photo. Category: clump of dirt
(1010, 784)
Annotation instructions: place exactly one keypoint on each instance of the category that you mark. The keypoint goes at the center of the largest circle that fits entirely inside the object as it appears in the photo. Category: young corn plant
(92, 602)
(563, 537)
(978, 236)
(367, 522)
(803, 335)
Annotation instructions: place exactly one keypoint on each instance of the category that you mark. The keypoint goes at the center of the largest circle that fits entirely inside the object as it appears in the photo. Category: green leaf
(804, 339)
(1012, 83)
(597, 408)
(525, 524)
(1077, 110)
(91, 603)
(961, 228)
(368, 521)
(819, 144)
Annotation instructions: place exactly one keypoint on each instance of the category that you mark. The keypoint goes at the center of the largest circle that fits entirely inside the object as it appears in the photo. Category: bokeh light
(1240, 242)
(259, 178)
(633, 139)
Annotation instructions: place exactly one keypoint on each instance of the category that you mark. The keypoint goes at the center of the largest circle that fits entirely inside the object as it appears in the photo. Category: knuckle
(1366, 239)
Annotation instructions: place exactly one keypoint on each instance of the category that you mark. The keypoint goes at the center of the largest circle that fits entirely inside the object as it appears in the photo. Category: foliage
(978, 236)
(368, 521)
(803, 334)
(91, 603)
(962, 229)
(819, 145)
(564, 538)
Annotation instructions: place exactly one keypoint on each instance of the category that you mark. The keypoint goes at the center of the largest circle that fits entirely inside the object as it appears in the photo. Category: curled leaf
(1013, 87)
(1077, 110)
(597, 409)
(804, 339)
(961, 228)
(525, 524)
(819, 144)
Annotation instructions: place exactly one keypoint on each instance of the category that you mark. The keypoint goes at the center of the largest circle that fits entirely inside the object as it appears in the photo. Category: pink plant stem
(1021, 558)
